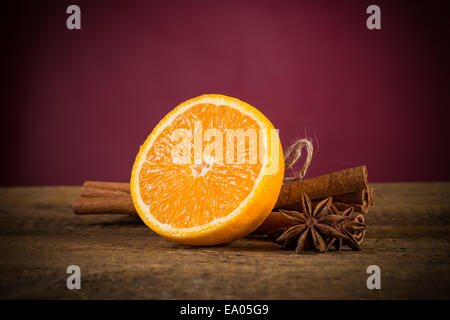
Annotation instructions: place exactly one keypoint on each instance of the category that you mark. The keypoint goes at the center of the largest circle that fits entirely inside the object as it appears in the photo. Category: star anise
(311, 228)
(353, 228)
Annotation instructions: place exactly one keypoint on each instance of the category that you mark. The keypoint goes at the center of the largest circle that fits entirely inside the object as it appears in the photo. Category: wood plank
(408, 237)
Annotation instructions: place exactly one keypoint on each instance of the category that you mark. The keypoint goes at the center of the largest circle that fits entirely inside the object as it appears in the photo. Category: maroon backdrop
(77, 104)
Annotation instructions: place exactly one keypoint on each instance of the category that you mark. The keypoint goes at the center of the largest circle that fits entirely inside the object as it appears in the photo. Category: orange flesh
(189, 195)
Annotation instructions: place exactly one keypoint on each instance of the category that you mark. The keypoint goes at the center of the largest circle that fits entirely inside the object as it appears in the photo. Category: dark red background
(77, 104)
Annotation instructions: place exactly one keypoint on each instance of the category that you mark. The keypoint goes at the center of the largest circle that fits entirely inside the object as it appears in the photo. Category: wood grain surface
(120, 258)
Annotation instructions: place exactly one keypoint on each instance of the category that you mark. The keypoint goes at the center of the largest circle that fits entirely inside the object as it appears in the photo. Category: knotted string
(296, 150)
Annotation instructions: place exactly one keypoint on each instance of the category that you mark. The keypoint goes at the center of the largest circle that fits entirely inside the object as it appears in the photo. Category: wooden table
(408, 238)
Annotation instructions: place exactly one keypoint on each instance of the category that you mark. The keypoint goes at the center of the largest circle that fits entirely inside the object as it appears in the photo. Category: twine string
(296, 150)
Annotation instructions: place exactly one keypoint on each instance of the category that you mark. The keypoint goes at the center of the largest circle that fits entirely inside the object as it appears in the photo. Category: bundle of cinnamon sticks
(349, 188)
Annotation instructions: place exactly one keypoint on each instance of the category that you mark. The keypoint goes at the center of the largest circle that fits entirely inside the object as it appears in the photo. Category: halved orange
(210, 171)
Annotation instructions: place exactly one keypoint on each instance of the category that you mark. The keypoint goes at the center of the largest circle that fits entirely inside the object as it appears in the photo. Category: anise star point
(311, 228)
(353, 228)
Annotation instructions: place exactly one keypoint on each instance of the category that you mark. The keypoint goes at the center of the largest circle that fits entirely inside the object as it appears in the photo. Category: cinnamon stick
(341, 206)
(349, 188)
(117, 186)
(274, 221)
(104, 205)
(98, 193)
(358, 207)
(360, 197)
(333, 184)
